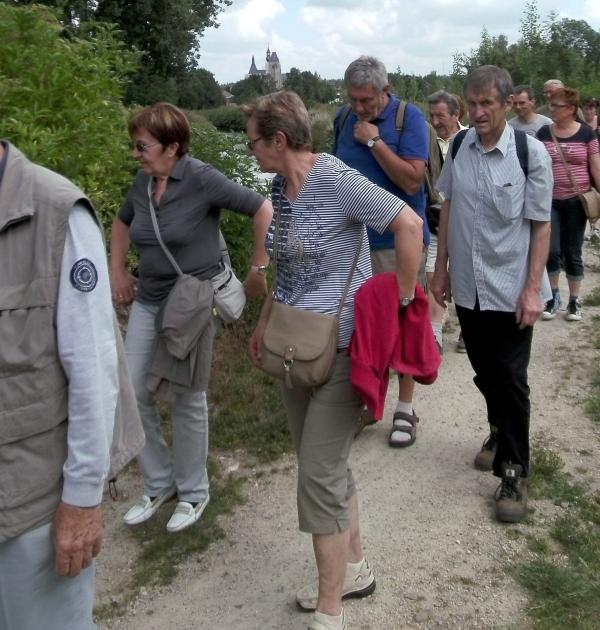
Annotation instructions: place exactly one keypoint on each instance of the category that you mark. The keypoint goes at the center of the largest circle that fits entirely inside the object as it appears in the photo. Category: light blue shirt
(489, 226)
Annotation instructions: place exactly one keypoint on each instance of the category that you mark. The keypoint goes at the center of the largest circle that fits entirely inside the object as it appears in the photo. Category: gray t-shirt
(530, 128)
(188, 220)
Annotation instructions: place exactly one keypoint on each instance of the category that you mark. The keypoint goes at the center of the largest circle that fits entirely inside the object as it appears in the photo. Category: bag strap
(457, 141)
(157, 232)
(275, 240)
(562, 157)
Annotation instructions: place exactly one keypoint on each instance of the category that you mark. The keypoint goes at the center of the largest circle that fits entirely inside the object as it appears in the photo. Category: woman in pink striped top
(579, 146)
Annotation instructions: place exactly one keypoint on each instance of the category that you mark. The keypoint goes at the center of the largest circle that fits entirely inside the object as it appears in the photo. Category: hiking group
(370, 243)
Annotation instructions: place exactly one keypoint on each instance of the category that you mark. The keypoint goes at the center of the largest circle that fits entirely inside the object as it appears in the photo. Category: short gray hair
(554, 82)
(366, 71)
(486, 77)
(441, 96)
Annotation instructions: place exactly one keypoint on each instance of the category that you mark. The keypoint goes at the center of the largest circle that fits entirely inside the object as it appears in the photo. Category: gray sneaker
(511, 495)
(358, 585)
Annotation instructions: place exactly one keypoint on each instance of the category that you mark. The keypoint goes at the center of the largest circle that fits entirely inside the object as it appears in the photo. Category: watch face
(370, 143)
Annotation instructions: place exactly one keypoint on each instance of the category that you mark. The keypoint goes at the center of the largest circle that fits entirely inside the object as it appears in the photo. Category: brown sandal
(411, 430)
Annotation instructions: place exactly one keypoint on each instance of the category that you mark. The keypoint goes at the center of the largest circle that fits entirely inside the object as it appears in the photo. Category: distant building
(272, 69)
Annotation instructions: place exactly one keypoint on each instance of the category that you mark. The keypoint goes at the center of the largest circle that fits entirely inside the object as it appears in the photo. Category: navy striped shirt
(319, 234)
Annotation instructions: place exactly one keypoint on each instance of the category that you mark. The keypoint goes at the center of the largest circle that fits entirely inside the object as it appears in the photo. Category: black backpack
(434, 161)
(520, 142)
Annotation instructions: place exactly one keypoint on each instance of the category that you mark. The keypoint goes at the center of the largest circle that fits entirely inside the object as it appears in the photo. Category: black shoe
(485, 458)
(511, 495)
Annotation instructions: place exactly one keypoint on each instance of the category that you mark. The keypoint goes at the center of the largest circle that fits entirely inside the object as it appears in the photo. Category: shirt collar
(179, 168)
(501, 144)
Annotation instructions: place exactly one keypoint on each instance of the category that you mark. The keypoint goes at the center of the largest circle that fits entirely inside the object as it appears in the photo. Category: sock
(404, 407)
(334, 622)
(573, 298)
(437, 331)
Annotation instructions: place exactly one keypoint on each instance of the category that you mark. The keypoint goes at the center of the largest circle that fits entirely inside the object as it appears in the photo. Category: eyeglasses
(557, 105)
(250, 144)
(141, 146)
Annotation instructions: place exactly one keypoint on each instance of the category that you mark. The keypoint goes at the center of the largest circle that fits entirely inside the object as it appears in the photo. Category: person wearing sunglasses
(573, 147)
(187, 196)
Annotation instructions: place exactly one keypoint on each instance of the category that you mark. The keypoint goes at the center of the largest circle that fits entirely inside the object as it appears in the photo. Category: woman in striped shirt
(323, 206)
(579, 146)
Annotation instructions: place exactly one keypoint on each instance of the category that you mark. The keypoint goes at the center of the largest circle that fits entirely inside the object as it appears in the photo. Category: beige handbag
(299, 346)
(590, 200)
(229, 296)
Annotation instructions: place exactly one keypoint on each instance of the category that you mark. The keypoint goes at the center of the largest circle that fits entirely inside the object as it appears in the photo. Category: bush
(227, 153)
(61, 101)
(227, 118)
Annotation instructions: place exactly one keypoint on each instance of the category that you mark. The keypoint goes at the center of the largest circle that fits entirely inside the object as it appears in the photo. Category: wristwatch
(259, 268)
(372, 141)
(405, 301)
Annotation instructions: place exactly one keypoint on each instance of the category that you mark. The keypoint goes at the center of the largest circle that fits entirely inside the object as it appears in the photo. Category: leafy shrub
(227, 118)
(61, 101)
(227, 153)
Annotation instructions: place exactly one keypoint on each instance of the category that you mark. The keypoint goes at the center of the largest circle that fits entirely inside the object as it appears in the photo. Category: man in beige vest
(59, 387)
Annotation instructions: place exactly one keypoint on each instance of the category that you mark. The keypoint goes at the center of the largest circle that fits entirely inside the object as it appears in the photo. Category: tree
(200, 90)
(61, 101)
(249, 88)
(165, 31)
(309, 87)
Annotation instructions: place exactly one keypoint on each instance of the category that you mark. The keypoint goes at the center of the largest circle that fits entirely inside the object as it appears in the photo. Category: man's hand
(77, 536)
(440, 287)
(529, 308)
(364, 131)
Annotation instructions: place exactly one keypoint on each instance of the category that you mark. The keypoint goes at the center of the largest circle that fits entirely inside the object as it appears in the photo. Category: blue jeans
(185, 468)
(566, 238)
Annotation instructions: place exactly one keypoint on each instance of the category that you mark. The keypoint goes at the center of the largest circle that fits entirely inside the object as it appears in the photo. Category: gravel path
(427, 515)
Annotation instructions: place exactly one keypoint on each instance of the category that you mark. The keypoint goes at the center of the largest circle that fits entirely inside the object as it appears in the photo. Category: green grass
(592, 298)
(246, 410)
(592, 404)
(562, 576)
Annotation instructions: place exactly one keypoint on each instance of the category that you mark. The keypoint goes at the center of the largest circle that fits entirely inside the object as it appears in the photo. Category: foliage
(227, 118)
(251, 87)
(165, 32)
(310, 87)
(61, 101)
(227, 154)
(322, 135)
(563, 49)
(200, 90)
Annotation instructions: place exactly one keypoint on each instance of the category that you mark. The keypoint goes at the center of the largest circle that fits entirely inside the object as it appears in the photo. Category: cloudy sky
(323, 36)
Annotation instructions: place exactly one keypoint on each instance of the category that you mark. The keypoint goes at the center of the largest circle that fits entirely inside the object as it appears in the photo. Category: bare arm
(440, 284)
(595, 169)
(406, 174)
(121, 281)
(530, 306)
(256, 282)
(407, 228)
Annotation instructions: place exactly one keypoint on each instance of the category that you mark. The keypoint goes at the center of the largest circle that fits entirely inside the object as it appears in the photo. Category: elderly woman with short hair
(188, 196)
(323, 206)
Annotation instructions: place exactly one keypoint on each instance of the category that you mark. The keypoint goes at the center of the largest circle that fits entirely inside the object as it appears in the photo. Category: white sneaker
(186, 514)
(356, 584)
(146, 508)
(326, 622)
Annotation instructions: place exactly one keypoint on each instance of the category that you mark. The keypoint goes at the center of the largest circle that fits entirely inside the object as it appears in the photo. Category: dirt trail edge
(427, 515)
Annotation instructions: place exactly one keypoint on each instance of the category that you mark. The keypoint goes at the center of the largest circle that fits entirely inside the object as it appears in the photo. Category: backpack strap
(340, 120)
(522, 151)
(400, 112)
(457, 141)
(520, 143)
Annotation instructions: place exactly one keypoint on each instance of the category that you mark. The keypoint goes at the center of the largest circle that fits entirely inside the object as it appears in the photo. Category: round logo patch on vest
(84, 276)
